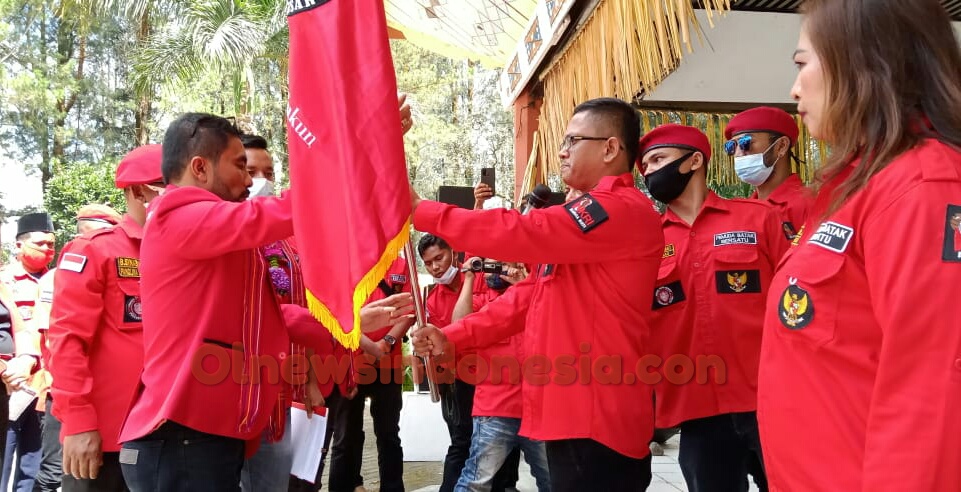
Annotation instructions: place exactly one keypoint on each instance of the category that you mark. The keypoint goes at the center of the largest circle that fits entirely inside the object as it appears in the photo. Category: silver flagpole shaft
(421, 316)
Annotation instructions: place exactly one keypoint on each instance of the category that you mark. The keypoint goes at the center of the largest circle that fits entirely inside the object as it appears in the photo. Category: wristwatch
(390, 340)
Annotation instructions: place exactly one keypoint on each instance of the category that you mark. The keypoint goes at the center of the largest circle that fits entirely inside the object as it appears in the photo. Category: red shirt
(439, 307)
(600, 254)
(204, 280)
(793, 202)
(502, 398)
(709, 301)
(861, 361)
(96, 331)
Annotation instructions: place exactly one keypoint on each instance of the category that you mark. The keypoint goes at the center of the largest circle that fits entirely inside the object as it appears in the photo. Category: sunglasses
(744, 142)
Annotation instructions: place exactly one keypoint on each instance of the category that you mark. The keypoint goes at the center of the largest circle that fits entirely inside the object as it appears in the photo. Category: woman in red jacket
(860, 379)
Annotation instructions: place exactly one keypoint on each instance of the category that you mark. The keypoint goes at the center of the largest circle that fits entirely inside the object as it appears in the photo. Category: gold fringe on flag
(362, 292)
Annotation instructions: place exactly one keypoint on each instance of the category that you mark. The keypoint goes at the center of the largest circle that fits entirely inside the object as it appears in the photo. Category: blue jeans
(493, 439)
(23, 438)
(269, 468)
(175, 458)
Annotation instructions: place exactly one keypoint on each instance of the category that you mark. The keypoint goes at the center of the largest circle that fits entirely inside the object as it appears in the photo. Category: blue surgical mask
(751, 168)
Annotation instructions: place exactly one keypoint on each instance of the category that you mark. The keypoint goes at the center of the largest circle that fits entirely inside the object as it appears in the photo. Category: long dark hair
(893, 78)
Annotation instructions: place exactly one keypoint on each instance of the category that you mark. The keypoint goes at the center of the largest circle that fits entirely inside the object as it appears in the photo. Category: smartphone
(488, 177)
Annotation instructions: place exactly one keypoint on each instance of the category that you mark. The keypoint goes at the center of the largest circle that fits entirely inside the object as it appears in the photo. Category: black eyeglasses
(570, 140)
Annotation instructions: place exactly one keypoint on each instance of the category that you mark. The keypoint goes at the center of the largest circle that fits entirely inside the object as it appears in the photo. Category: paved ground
(426, 476)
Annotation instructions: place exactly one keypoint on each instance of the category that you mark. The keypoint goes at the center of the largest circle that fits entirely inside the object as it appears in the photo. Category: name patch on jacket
(398, 278)
(586, 212)
(735, 237)
(128, 267)
(72, 262)
(132, 309)
(738, 281)
(668, 251)
(667, 295)
(952, 235)
(832, 236)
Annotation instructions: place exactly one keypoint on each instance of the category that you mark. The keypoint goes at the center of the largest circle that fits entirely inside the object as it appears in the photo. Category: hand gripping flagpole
(421, 316)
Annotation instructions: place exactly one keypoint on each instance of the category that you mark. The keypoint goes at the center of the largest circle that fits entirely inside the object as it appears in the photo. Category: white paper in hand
(307, 439)
(20, 400)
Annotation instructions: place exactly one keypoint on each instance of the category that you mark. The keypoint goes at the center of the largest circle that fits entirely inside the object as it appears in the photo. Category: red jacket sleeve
(499, 319)
(917, 389)
(74, 322)
(304, 329)
(205, 229)
(548, 235)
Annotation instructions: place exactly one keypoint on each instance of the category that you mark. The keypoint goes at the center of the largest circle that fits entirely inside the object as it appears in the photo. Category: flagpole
(421, 316)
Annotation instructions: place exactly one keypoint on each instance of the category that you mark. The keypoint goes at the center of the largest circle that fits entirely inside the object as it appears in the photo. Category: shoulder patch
(72, 262)
(832, 236)
(398, 278)
(735, 237)
(586, 212)
(128, 267)
(952, 235)
(789, 232)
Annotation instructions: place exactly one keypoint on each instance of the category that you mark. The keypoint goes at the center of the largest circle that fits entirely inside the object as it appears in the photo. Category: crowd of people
(800, 338)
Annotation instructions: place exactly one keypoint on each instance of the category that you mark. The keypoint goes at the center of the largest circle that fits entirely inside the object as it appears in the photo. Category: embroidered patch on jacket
(128, 267)
(398, 278)
(586, 212)
(132, 309)
(738, 281)
(667, 295)
(832, 236)
(796, 310)
(72, 262)
(735, 237)
(789, 232)
(952, 235)
(668, 251)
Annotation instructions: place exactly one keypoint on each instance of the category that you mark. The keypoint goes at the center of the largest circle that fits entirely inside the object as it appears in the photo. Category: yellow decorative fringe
(351, 339)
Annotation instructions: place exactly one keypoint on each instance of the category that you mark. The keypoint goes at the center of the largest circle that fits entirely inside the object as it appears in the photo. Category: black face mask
(667, 183)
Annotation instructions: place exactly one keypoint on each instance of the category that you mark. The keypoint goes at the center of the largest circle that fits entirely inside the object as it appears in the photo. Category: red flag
(347, 170)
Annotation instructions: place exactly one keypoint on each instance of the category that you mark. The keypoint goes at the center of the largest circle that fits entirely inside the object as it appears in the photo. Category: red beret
(140, 166)
(678, 136)
(762, 119)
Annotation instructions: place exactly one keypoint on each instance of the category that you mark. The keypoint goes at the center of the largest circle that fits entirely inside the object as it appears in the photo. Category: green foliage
(76, 186)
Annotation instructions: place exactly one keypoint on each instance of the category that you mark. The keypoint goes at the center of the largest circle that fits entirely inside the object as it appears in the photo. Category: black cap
(35, 222)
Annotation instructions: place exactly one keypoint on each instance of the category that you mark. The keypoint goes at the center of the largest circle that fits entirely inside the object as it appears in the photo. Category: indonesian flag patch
(73, 262)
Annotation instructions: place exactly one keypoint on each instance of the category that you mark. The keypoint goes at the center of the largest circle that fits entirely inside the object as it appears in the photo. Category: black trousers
(178, 458)
(110, 478)
(585, 464)
(718, 452)
(347, 448)
(51, 458)
(457, 403)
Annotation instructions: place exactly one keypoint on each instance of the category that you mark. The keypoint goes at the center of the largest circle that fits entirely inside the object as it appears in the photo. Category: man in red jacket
(96, 332)
(760, 139)
(709, 302)
(588, 299)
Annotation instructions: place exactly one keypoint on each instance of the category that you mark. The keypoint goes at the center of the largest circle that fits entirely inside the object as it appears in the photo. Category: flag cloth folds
(351, 201)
